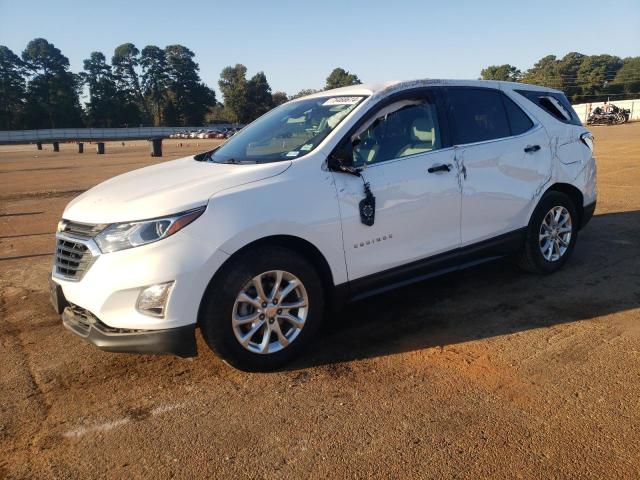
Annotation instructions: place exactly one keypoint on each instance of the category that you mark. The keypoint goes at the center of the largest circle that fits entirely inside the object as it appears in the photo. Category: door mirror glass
(341, 157)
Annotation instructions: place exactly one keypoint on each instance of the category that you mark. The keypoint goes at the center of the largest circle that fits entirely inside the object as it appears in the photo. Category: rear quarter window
(555, 104)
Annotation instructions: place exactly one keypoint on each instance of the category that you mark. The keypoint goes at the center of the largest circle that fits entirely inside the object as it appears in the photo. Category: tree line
(162, 86)
(153, 86)
(583, 78)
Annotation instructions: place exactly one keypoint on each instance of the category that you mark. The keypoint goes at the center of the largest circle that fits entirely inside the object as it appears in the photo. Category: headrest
(422, 130)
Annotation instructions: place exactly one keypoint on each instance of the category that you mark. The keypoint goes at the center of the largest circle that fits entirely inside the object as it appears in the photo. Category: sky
(298, 43)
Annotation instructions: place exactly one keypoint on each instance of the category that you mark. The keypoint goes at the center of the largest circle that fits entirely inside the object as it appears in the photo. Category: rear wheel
(551, 234)
(262, 309)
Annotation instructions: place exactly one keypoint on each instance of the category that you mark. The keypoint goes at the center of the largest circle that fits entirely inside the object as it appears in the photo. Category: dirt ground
(488, 373)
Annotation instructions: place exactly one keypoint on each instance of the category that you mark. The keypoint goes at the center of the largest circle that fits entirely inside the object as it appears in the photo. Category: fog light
(152, 300)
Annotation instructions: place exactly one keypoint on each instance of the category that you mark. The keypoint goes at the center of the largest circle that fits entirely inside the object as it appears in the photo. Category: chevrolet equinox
(325, 199)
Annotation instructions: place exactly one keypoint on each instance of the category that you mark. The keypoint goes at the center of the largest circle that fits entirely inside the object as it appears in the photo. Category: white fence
(584, 109)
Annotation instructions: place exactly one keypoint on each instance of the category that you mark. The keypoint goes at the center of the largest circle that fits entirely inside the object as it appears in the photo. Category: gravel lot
(486, 373)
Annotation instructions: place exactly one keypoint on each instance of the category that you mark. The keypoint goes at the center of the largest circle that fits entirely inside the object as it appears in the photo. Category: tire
(534, 257)
(222, 304)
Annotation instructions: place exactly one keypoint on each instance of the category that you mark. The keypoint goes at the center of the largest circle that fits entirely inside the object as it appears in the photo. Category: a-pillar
(39, 145)
(80, 147)
(100, 148)
(156, 147)
(56, 146)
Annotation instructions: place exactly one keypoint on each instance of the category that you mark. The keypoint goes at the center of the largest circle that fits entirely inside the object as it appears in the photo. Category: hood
(163, 189)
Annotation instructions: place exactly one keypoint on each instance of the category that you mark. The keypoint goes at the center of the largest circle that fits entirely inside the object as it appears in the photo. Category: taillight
(587, 139)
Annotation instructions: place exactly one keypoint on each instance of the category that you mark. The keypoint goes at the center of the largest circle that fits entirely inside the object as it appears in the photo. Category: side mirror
(341, 158)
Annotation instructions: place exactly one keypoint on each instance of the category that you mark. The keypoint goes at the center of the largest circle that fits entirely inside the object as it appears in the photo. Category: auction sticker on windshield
(341, 101)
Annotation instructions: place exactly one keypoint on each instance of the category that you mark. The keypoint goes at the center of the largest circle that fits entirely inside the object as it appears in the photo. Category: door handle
(531, 148)
(439, 168)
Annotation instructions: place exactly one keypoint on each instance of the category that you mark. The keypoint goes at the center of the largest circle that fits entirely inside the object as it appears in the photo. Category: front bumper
(110, 288)
(179, 341)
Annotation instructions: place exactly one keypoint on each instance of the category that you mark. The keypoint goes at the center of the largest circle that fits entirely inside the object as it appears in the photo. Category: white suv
(325, 199)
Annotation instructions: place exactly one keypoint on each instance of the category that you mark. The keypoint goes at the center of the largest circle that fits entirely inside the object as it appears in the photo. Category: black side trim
(436, 265)
(587, 213)
(179, 341)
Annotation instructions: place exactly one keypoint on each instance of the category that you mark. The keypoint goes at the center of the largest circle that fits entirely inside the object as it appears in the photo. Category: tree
(245, 100)
(594, 75)
(506, 72)
(190, 97)
(260, 99)
(583, 78)
(544, 72)
(341, 78)
(218, 114)
(12, 89)
(627, 79)
(304, 93)
(567, 70)
(126, 58)
(106, 107)
(44, 58)
(155, 81)
(234, 87)
(279, 98)
(52, 92)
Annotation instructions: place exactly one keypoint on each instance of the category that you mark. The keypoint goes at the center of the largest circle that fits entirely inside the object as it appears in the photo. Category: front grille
(72, 259)
(80, 229)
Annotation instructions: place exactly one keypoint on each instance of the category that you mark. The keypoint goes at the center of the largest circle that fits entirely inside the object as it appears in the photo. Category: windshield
(286, 132)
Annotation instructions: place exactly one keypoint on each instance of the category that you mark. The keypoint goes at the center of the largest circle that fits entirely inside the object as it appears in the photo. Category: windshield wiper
(233, 161)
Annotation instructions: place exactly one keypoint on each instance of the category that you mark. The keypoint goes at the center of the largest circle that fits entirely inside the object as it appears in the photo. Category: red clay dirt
(487, 373)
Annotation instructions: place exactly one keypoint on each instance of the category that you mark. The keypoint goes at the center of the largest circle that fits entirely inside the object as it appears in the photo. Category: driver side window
(406, 127)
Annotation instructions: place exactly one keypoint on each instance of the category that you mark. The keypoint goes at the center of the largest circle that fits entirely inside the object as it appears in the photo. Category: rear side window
(556, 104)
(519, 120)
(477, 115)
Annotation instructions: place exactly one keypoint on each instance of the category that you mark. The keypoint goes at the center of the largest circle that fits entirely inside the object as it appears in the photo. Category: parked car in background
(221, 132)
(325, 199)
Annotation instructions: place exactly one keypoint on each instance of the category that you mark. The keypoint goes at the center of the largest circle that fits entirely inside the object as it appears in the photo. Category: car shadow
(494, 299)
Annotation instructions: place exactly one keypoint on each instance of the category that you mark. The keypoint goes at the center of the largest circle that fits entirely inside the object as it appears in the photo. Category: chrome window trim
(536, 126)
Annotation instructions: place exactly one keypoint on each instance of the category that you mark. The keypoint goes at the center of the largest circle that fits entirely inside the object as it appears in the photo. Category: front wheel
(551, 234)
(262, 309)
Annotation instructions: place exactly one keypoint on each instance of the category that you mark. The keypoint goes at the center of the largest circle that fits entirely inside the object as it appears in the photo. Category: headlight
(119, 236)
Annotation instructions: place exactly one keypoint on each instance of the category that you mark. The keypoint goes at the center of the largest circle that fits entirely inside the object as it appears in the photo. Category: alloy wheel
(555, 233)
(270, 312)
